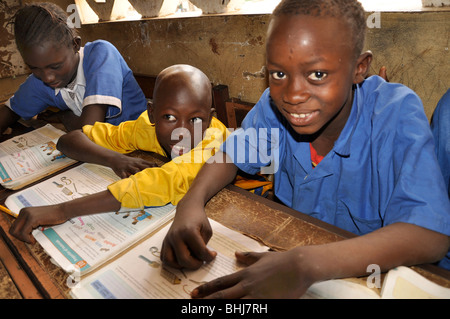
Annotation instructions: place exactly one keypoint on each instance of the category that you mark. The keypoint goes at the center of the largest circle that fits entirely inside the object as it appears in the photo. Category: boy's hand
(32, 217)
(268, 275)
(124, 166)
(383, 73)
(185, 243)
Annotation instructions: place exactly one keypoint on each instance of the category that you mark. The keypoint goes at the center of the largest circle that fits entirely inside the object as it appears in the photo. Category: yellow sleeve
(167, 184)
(126, 137)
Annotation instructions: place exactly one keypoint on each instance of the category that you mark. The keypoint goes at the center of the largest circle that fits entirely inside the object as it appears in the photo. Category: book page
(27, 140)
(399, 283)
(74, 183)
(28, 157)
(139, 272)
(21, 166)
(86, 242)
(340, 289)
(405, 283)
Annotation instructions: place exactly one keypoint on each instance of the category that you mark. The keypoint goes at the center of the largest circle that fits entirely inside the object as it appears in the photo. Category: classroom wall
(230, 49)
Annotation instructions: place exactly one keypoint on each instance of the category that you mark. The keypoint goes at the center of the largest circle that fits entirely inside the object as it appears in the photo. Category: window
(93, 11)
(391, 5)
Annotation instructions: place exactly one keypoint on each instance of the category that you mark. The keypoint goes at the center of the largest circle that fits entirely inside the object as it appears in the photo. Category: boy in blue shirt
(375, 172)
(89, 84)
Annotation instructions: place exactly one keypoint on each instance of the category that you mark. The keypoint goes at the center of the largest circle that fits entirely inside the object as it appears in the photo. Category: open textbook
(139, 273)
(399, 283)
(84, 243)
(29, 157)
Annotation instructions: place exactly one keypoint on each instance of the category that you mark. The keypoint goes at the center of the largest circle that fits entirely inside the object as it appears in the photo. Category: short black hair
(40, 22)
(350, 10)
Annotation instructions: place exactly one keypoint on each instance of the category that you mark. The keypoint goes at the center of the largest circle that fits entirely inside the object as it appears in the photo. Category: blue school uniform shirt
(440, 126)
(103, 77)
(381, 170)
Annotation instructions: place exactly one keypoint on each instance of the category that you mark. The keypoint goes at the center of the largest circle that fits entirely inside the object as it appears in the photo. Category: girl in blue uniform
(89, 84)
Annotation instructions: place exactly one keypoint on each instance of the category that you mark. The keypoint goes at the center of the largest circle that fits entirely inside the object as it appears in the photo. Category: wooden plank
(17, 274)
(236, 111)
(220, 96)
(8, 289)
(31, 274)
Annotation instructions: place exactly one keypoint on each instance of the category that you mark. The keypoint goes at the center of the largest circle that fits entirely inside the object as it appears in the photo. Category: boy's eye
(278, 75)
(317, 76)
(196, 120)
(55, 67)
(169, 117)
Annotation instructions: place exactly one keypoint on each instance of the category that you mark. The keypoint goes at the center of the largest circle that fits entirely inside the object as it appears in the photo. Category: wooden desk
(278, 226)
(21, 274)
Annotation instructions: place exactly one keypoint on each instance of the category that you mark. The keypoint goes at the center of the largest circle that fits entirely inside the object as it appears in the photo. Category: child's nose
(48, 76)
(296, 92)
(183, 124)
(182, 130)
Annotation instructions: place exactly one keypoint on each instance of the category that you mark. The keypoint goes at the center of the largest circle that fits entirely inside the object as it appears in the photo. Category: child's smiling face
(311, 64)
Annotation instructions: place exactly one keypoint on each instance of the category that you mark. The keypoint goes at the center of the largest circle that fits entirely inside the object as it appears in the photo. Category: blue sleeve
(440, 127)
(33, 97)
(256, 145)
(102, 67)
(412, 189)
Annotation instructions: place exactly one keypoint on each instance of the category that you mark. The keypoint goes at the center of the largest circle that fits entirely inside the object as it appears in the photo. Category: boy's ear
(211, 114)
(150, 111)
(362, 67)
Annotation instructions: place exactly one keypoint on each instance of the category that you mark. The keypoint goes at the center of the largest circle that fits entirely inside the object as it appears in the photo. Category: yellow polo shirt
(156, 186)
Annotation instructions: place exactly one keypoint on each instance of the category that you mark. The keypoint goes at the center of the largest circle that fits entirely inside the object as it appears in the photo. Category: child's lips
(301, 118)
(179, 149)
(54, 84)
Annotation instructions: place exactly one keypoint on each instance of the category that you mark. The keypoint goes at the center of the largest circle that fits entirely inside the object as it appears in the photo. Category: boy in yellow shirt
(178, 123)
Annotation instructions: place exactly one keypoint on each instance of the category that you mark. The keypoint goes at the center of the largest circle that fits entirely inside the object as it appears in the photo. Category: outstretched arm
(78, 146)
(32, 217)
(289, 274)
(185, 243)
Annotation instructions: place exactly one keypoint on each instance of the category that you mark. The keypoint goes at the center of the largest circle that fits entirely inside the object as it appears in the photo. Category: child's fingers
(221, 288)
(168, 256)
(189, 255)
(22, 230)
(248, 258)
(192, 253)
